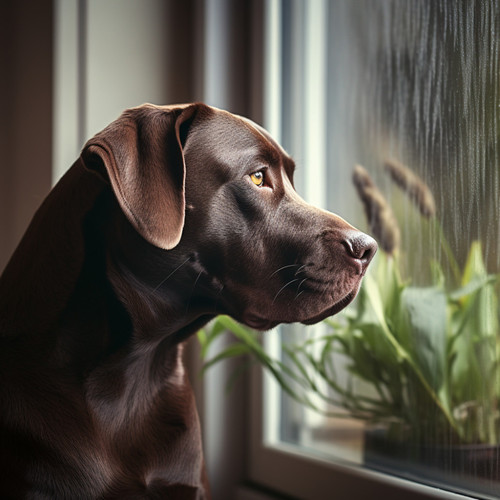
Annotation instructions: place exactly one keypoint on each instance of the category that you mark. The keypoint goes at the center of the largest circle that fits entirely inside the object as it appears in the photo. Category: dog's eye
(257, 178)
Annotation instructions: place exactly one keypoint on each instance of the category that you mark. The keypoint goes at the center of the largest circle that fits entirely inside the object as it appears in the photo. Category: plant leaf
(426, 313)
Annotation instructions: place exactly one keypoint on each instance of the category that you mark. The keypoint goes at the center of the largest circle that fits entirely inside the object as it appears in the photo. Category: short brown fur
(155, 229)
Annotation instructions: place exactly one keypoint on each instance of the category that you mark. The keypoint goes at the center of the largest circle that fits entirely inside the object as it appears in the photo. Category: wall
(111, 56)
(25, 115)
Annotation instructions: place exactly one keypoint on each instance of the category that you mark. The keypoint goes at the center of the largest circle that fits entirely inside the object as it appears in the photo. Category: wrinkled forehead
(237, 144)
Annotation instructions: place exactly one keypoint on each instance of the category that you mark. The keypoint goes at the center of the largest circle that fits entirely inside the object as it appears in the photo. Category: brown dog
(170, 216)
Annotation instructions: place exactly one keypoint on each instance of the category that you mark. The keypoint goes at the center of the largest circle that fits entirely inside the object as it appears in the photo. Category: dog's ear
(142, 155)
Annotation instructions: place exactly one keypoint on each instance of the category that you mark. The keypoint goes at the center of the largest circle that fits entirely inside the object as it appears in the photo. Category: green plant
(422, 361)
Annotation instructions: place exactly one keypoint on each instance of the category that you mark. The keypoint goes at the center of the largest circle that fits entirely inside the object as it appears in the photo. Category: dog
(170, 216)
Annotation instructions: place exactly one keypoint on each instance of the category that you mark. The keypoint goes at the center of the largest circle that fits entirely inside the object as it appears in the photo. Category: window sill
(299, 474)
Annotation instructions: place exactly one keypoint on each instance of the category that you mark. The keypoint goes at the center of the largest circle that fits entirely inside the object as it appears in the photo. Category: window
(404, 89)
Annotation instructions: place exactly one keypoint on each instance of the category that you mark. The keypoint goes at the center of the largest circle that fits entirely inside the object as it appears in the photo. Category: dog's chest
(148, 428)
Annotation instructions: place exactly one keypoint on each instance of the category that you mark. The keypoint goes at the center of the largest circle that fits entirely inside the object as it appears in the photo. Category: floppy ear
(141, 152)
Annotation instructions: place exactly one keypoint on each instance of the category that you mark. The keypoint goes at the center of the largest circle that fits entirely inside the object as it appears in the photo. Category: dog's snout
(361, 247)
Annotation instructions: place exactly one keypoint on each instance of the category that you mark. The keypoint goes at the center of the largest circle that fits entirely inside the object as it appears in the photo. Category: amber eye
(257, 178)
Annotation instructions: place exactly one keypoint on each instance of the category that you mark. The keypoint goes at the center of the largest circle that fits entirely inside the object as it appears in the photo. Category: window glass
(409, 92)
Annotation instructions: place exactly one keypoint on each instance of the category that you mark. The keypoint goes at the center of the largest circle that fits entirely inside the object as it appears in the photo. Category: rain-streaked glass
(412, 96)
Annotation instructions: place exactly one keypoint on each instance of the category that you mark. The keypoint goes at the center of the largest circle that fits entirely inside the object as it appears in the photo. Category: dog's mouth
(261, 323)
(332, 310)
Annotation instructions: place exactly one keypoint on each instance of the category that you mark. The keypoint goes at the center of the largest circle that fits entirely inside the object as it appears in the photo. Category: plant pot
(462, 468)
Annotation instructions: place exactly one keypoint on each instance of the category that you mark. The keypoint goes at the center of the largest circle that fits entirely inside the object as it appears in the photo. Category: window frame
(280, 466)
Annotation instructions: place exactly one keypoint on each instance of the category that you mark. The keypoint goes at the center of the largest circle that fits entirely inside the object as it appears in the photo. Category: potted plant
(423, 361)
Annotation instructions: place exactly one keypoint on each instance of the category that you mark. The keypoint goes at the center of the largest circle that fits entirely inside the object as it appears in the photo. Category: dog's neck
(41, 275)
(65, 278)
(157, 287)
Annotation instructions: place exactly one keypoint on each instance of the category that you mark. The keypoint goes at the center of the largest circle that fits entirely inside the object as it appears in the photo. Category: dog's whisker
(301, 269)
(196, 280)
(325, 289)
(192, 290)
(298, 288)
(283, 287)
(170, 275)
(281, 269)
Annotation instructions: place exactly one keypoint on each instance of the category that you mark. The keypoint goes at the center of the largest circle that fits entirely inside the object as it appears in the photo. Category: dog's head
(213, 194)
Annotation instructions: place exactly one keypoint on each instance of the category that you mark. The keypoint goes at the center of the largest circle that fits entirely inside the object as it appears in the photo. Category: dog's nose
(361, 248)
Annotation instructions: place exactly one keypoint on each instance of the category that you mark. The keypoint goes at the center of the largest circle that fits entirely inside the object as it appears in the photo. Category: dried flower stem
(416, 189)
(378, 212)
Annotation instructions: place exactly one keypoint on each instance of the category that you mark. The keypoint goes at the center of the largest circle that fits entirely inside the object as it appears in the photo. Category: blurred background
(337, 83)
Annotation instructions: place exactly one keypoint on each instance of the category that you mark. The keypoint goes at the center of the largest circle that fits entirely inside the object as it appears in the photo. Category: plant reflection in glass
(422, 361)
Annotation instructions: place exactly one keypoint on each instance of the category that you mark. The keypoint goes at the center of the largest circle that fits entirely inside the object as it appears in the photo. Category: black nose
(361, 247)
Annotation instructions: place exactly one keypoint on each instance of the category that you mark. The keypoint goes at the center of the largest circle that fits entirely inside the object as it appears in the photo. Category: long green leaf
(377, 307)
